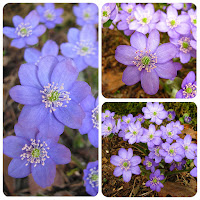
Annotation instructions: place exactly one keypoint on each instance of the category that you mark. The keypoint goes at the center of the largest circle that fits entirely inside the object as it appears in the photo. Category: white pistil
(145, 60)
(36, 153)
(185, 46)
(172, 23)
(49, 15)
(24, 30)
(145, 19)
(93, 177)
(95, 113)
(54, 96)
(171, 151)
(84, 48)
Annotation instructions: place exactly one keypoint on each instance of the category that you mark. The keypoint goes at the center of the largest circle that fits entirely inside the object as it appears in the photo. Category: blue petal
(31, 40)
(26, 95)
(80, 21)
(32, 116)
(23, 131)
(40, 9)
(39, 30)
(73, 35)
(50, 25)
(17, 20)
(77, 11)
(88, 104)
(58, 20)
(28, 76)
(44, 175)
(72, 115)
(45, 68)
(92, 60)
(65, 73)
(10, 32)
(33, 18)
(80, 63)
(49, 6)
(50, 48)
(93, 8)
(60, 154)
(68, 50)
(18, 169)
(88, 33)
(59, 11)
(79, 91)
(93, 137)
(31, 55)
(87, 123)
(50, 126)
(18, 43)
(12, 146)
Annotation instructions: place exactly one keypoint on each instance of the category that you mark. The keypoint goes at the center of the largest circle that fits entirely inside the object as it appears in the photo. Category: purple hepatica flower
(124, 131)
(188, 87)
(51, 101)
(169, 133)
(151, 136)
(140, 118)
(36, 154)
(108, 127)
(155, 112)
(128, 119)
(178, 165)
(126, 163)
(135, 133)
(147, 61)
(128, 7)
(172, 152)
(146, 19)
(193, 19)
(187, 119)
(107, 114)
(82, 46)
(50, 48)
(155, 153)
(86, 13)
(189, 147)
(171, 115)
(91, 178)
(154, 182)
(183, 6)
(90, 124)
(185, 50)
(49, 15)
(193, 172)
(173, 24)
(150, 164)
(26, 31)
(109, 11)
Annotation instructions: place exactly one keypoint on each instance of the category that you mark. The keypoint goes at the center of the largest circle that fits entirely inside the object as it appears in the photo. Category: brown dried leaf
(188, 130)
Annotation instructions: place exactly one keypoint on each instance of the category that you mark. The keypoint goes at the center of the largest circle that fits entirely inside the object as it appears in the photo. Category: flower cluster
(157, 135)
(51, 95)
(148, 59)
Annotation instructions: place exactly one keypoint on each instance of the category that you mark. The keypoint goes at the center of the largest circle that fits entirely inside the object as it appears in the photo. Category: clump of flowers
(51, 94)
(163, 149)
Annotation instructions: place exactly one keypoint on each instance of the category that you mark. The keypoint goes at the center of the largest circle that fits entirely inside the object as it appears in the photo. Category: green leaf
(107, 24)
(181, 120)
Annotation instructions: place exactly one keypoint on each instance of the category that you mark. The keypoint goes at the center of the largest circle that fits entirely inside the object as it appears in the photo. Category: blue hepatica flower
(34, 154)
(189, 87)
(50, 48)
(193, 172)
(91, 178)
(90, 123)
(86, 13)
(183, 6)
(51, 95)
(26, 31)
(49, 15)
(109, 11)
(82, 46)
(108, 127)
(107, 114)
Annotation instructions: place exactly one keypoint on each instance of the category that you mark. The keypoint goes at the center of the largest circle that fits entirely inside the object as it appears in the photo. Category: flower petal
(73, 35)
(135, 170)
(87, 123)
(44, 175)
(162, 26)
(88, 33)
(18, 43)
(71, 116)
(190, 78)
(122, 153)
(32, 18)
(50, 25)
(153, 40)
(80, 63)
(50, 48)
(117, 172)
(31, 40)
(138, 41)
(88, 103)
(68, 50)
(10, 32)
(18, 169)
(179, 94)
(185, 57)
(183, 28)
(166, 52)
(39, 30)
(172, 12)
(150, 82)
(115, 160)
(93, 137)
(31, 55)
(127, 176)
(17, 20)
(134, 25)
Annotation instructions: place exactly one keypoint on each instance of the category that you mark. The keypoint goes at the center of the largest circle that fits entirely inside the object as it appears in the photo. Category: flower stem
(178, 171)
(78, 163)
(140, 148)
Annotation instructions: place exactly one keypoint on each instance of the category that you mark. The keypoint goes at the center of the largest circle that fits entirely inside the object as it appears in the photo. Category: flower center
(193, 20)
(36, 153)
(135, 133)
(109, 128)
(145, 60)
(149, 163)
(189, 91)
(172, 152)
(54, 96)
(169, 133)
(151, 136)
(170, 116)
(93, 177)
(49, 15)
(130, 19)
(129, 10)
(86, 15)
(185, 46)
(84, 48)
(156, 151)
(154, 113)
(128, 121)
(186, 148)
(106, 12)
(172, 23)
(125, 164)
(95, 117)
(145, 20)
(24, 30)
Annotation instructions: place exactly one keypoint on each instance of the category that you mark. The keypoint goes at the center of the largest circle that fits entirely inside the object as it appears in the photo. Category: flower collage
(99, 99)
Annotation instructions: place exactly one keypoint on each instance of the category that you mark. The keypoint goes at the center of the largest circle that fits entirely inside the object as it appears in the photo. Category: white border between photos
(102, 100)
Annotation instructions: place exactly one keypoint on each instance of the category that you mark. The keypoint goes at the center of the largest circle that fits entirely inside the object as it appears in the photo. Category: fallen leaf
(188, 130)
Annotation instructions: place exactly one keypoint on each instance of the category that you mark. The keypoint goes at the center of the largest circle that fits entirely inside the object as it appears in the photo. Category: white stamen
(95, 113)
(24, 30)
